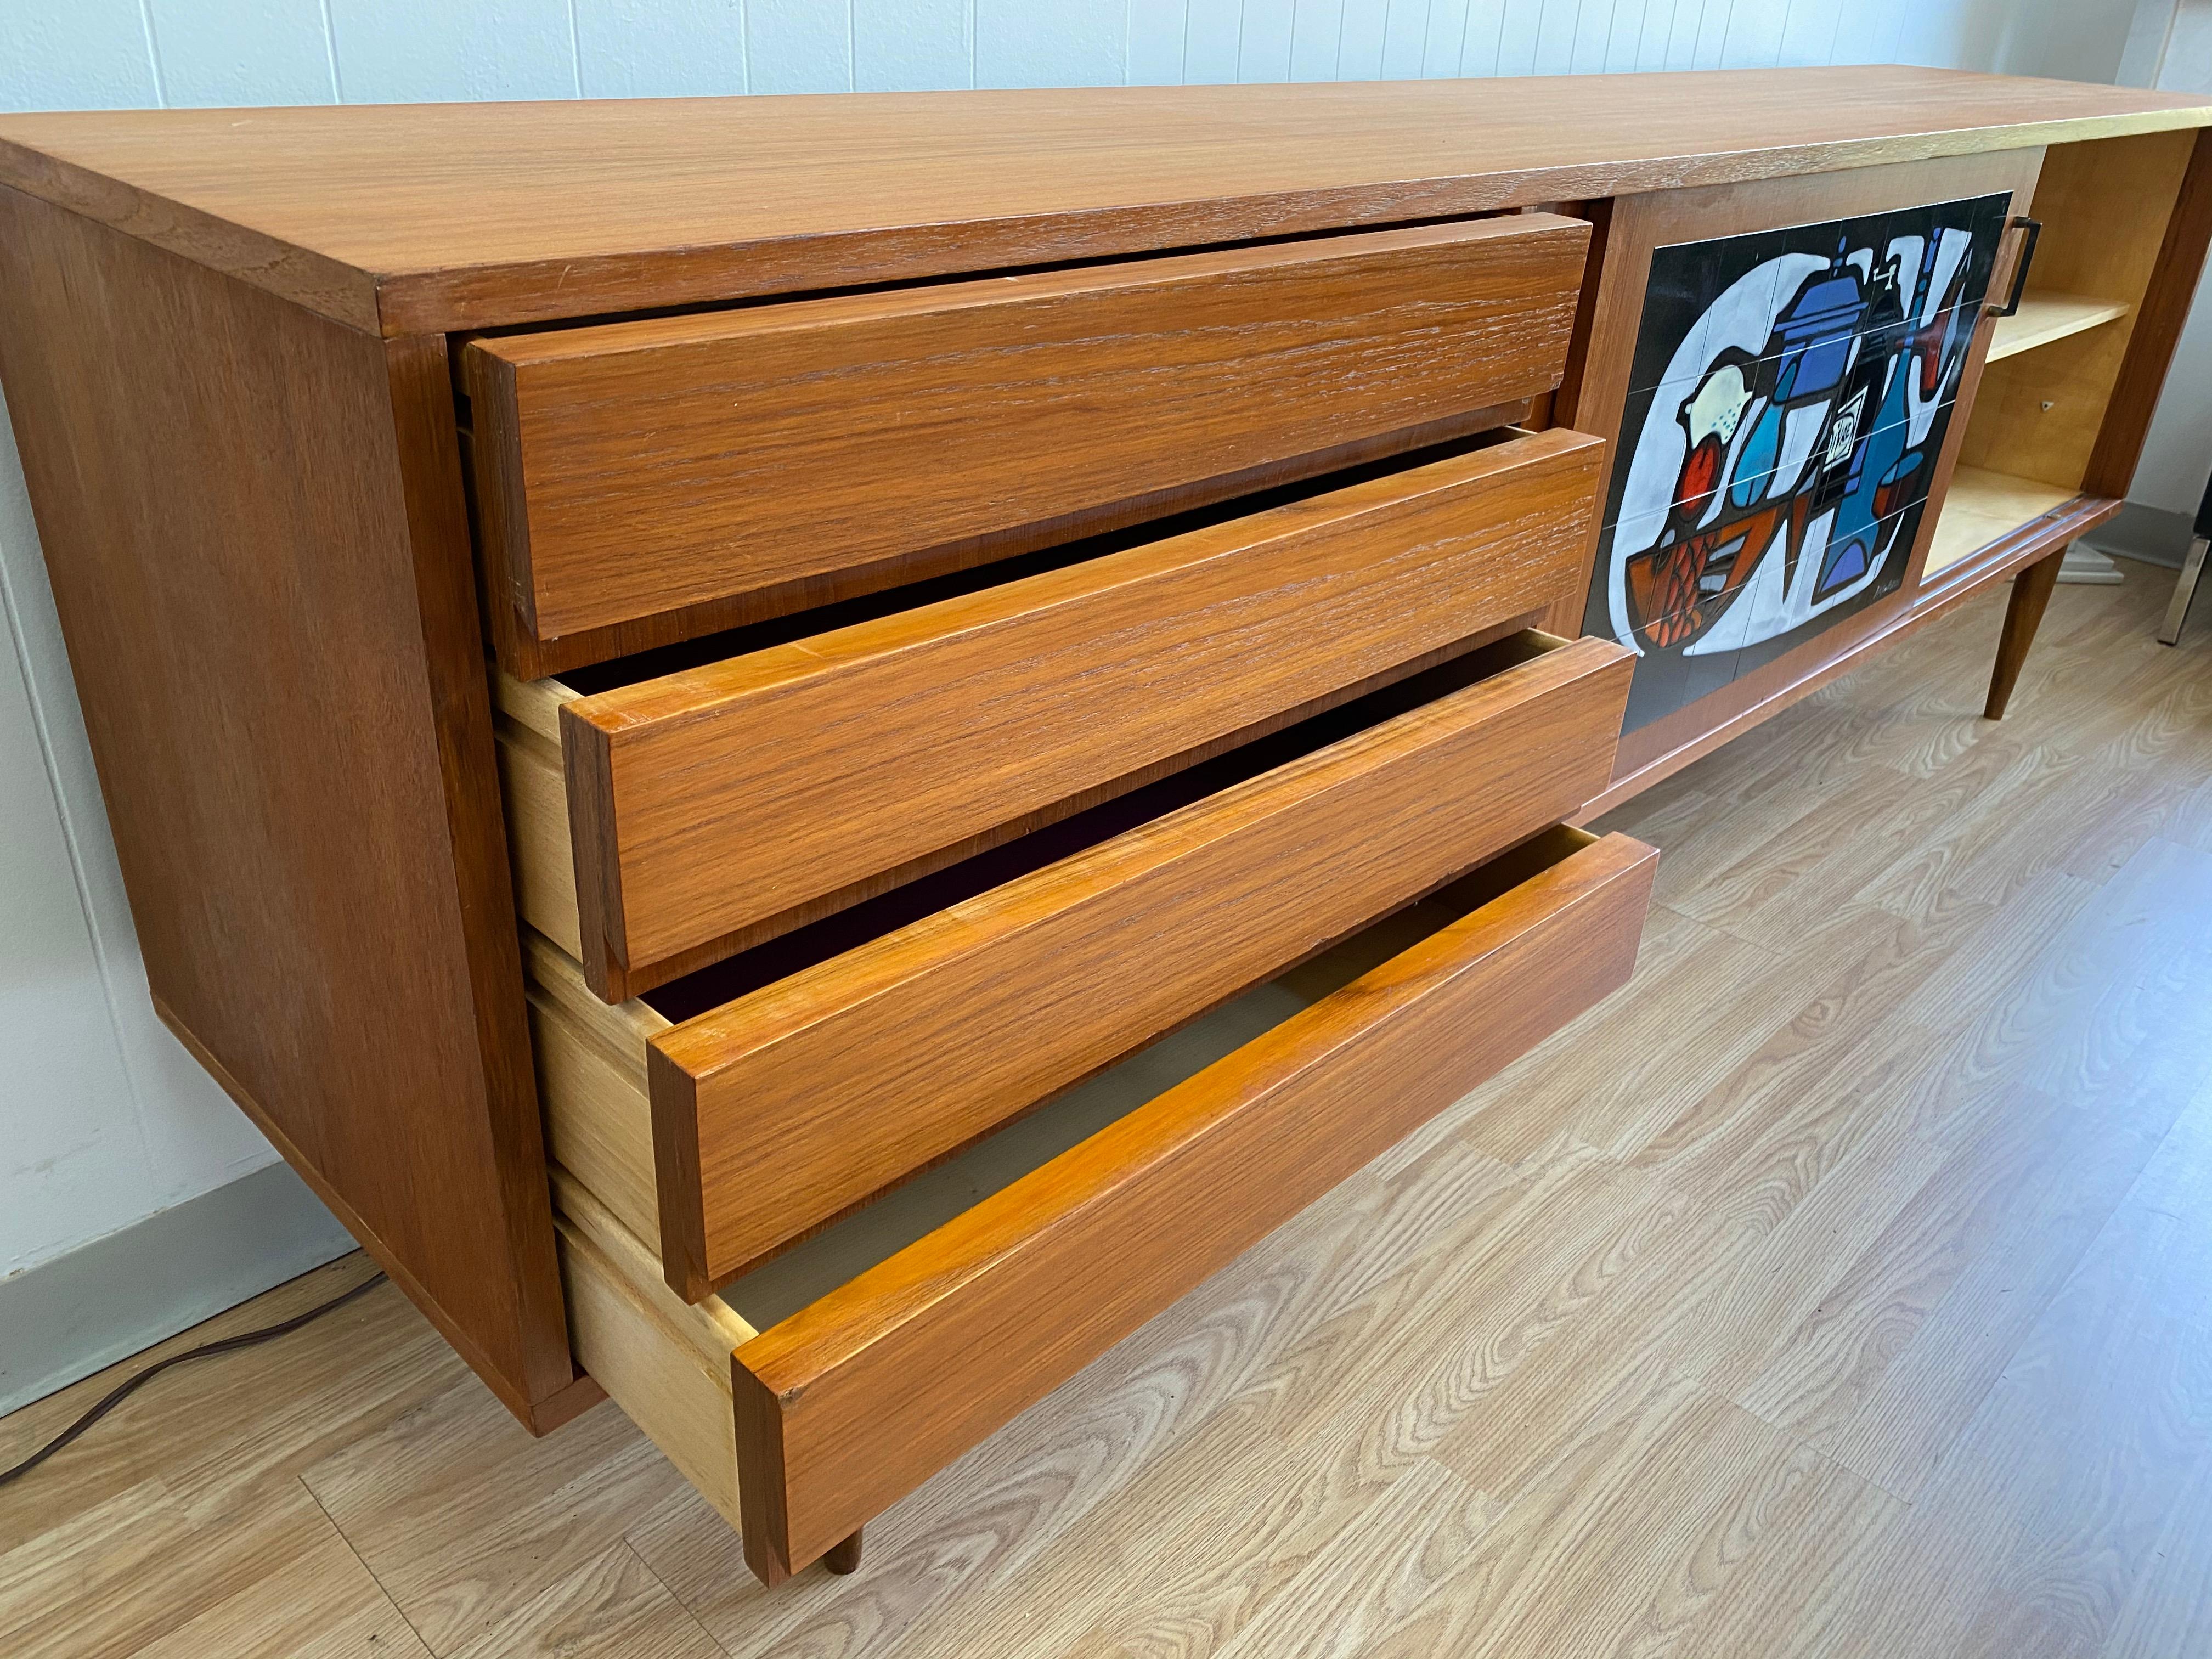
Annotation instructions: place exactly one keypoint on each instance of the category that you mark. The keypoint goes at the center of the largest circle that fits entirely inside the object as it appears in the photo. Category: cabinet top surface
(405, 219)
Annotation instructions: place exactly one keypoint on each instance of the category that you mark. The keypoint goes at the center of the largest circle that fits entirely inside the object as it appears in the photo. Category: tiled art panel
(1787, 401)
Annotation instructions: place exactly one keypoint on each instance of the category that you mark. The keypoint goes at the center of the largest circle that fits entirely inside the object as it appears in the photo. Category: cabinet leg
(2031, 592)
(845, 1556)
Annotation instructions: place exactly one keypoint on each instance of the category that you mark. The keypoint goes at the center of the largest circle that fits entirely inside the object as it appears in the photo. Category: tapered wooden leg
(845, 1556)
(2031, 592)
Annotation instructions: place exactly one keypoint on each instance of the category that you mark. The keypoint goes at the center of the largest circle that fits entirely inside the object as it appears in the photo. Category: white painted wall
(2171, 47)
(102, 1119)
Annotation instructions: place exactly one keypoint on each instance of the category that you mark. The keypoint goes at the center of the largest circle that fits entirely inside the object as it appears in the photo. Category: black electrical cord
(121, 1391)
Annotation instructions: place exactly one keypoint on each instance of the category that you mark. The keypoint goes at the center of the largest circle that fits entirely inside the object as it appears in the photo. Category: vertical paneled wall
(82, 52)
(102, 1119)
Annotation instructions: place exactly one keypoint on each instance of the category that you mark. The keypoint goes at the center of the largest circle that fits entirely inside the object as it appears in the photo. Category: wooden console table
(810, 752)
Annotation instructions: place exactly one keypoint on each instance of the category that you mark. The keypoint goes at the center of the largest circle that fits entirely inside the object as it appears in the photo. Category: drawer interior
(648, 848)
(777, 958)
(665, 1361)
(780, 1287)
(629, 1120)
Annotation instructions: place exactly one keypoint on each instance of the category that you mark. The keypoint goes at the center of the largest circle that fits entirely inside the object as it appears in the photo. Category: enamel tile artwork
(1788, 399)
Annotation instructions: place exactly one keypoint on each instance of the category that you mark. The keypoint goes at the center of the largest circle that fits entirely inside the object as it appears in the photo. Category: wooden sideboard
(809, 753)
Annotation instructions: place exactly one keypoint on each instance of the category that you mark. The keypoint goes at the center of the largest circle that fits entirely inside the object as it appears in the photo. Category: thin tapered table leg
(2031, 592)
(844, 1556)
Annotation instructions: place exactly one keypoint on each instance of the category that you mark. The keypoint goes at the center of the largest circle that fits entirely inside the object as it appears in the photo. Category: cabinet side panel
(284, 692)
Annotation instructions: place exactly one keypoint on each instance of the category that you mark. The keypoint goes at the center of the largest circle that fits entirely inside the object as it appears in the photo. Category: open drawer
(676, 808)
(729, 1113)
(889, 1345)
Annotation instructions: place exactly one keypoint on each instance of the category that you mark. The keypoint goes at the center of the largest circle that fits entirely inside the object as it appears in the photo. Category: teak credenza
(809, 753)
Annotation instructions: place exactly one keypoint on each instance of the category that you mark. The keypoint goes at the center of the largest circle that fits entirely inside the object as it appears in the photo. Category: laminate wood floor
(1839, 1288)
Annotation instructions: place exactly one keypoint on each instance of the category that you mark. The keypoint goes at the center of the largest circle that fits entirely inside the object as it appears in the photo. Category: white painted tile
(1155, 37)
(1624, 37)
(242, 52)
(75, 54)
(1263, 46)
(1480, 39)
(909, 46)
(1682, 32)
(1359, 46)
(1316, 31)
(1755, 34)
(1068, 43)
(799, 45)
(1555, 37)
(1808, 34)
(660, 48)
(397, 51)
(1443, 40)
(1211, 34)
(1712, 33)
(1405, 34)
(1520, 37)
(1593, 36)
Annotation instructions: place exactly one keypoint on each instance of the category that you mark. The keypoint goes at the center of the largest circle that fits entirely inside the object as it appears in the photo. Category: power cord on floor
(124, 1390)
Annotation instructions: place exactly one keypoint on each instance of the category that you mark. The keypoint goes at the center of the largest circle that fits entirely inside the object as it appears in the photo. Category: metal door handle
(2034, 229)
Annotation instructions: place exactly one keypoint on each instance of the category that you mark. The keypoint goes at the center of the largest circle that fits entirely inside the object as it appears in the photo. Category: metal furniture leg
(2176, 612)
(2191, 568)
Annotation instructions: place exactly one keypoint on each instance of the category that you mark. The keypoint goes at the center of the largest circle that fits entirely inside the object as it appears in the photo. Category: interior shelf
(2043, 318)
(1982, 506)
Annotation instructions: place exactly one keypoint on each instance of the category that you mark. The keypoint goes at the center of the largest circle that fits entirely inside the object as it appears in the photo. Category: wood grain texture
(465, 216)
(550, 837)
(530, 658)
(592, 1082)
(786, 1106)
(1483, 1397)
(2043, 318)
(2159, 316)
(2107, 212)
(592, 1055)
(638, 468)
(253, 523)
(1981, 508)
(851, 1403)
(705, 801)
(2031, 592)
(667, 1365)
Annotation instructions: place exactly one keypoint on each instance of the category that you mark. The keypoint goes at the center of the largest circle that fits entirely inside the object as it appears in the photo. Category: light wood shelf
(2043, 318)
(1982, 507)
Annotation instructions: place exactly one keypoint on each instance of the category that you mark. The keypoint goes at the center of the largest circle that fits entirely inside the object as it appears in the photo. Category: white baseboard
(66, 1318)
(2148, 535)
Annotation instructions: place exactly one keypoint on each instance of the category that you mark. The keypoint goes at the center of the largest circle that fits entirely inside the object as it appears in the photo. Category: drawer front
(782, 1109)
(852, 1401)
(706, 803)
(633, 470)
